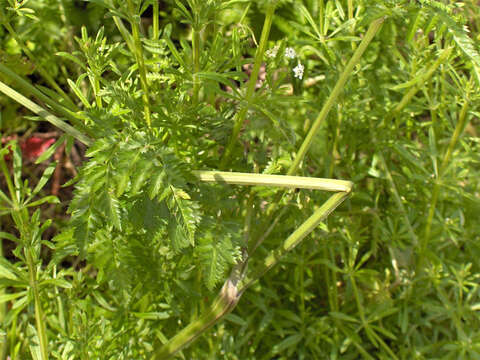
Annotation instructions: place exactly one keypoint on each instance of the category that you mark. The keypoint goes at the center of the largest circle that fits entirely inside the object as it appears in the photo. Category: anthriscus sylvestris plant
(217, 136)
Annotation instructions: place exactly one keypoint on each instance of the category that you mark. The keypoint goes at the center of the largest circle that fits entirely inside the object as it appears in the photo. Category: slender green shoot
(39, 316)
(60, 109)
(156, 16)
(140, 61)
(196, 63)
(462, 118)
(125, 34)
(62, 125)
(420, 81)
(357, 55)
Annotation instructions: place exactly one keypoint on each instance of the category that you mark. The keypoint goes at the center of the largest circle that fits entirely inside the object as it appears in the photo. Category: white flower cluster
(289, 54)
(271, 53)
(298, 71)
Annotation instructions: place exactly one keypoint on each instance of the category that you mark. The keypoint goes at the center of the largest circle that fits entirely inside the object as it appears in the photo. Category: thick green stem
(96, 89)
(140, 63)
(372, 30)
(223, 304)
(240, 118)
(44, 73)
(39, 318)
(294, 182)
(156, 15)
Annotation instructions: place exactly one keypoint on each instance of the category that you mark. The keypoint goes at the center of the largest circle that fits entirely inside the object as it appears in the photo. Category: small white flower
(271, 53)
(298, 71)
(290, 53)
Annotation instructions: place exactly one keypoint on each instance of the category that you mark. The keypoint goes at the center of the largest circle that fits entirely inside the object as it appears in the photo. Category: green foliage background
(392, 274)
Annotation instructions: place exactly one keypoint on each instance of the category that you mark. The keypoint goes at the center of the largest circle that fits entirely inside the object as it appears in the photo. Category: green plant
(152, 236)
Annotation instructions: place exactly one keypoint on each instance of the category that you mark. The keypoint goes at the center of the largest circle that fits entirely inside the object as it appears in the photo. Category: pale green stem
(44, 114)
(141, 63)
(372, 30)
(294, 182)
(61, 312)
(38, 94)
(223, 304)
(44, 73)
(350, 9)
(335, 141)
(156, 15)
(125, 34)
(39, 317)
(196, 63)
(361, 311)
(240, 118)
(96, 88)
(321, 18)
(13, 338)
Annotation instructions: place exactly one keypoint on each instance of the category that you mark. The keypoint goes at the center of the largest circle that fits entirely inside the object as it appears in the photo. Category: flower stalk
(240, 118)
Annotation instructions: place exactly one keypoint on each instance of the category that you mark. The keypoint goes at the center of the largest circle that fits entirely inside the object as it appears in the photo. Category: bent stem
(240, 118)
(236, 284)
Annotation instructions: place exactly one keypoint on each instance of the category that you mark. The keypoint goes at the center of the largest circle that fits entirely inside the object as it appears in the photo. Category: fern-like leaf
(216, 256)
